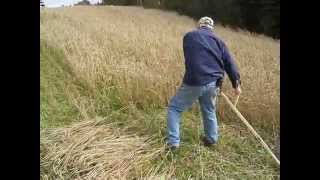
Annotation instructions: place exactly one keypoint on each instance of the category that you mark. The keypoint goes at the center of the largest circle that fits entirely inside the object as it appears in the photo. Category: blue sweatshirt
(207, 58)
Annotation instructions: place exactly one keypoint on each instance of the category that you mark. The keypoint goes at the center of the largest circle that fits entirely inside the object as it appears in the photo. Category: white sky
(57, 3)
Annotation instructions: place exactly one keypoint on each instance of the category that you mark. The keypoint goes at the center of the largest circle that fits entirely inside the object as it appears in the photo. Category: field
(107, 74)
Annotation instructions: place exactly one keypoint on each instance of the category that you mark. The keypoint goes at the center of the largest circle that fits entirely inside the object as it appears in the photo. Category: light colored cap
(206, 21)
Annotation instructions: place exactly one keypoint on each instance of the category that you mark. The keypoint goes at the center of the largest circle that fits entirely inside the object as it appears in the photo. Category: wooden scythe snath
(233, 107)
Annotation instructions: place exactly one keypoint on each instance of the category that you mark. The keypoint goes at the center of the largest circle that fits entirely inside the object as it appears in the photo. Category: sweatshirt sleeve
(230, 67)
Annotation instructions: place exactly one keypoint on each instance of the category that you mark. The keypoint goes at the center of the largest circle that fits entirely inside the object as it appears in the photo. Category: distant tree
(99, 3)
(83, 2)
(151, 3)
(42, 3)
(139, 2)
(123, 2)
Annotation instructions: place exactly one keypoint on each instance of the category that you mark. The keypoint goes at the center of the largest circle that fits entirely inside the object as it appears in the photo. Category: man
(206, 60)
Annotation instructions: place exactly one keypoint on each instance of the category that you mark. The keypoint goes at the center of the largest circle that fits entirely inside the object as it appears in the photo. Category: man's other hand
(237, 91)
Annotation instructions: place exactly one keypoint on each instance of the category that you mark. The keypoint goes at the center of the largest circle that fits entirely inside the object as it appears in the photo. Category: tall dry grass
(94, 150)
(139, 53)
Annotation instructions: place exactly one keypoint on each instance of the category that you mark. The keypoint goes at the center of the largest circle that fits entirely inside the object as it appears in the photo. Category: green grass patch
(55, 108)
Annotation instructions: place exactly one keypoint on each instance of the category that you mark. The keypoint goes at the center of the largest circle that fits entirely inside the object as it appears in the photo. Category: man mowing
(206, 59)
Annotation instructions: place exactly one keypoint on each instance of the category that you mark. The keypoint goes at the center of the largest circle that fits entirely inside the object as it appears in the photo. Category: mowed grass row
(106, 62)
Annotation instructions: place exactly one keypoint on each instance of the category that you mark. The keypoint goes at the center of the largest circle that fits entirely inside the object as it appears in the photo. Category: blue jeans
(183, 100)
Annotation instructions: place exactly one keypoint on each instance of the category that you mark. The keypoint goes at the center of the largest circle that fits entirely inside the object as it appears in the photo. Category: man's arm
(231, 68)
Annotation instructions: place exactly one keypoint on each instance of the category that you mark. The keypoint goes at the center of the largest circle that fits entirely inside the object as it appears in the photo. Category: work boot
(206, 142)
(172, 147)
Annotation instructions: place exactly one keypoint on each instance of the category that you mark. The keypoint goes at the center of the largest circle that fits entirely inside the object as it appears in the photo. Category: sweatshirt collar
(205, 28)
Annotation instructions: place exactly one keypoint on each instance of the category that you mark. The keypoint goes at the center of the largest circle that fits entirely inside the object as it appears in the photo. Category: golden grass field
(134, 56)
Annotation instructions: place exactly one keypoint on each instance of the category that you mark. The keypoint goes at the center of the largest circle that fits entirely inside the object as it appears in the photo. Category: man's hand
(237, 91)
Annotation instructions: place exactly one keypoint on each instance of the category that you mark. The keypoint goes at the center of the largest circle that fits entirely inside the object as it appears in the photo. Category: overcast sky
(57, 3)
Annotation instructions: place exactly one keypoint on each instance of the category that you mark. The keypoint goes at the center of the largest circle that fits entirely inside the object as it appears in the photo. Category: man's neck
(206, 28)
